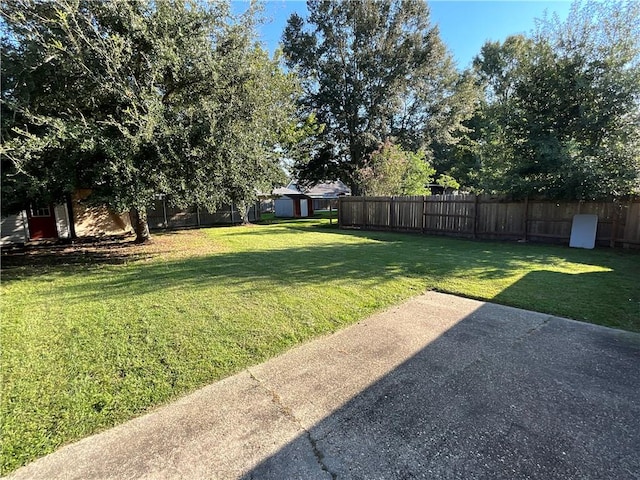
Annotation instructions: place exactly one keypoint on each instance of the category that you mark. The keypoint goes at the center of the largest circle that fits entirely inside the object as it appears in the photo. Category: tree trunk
(244, 210)
(72, 224)
(140, 225)
(356, 190)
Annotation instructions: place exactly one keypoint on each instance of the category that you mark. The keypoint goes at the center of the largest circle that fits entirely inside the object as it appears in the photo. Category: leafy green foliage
(372, 71)
(562, 111)
(393, 171)
(448, 182)
(134, 99)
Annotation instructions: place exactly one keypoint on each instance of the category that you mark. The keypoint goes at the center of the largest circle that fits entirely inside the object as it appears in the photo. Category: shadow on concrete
(502, 394)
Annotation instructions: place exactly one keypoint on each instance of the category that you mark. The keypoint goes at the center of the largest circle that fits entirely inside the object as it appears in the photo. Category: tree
(447, 181)
(392, 171)
(489, 154)
(581, 104)
(371, 70)
(135, 99)
(562, 117)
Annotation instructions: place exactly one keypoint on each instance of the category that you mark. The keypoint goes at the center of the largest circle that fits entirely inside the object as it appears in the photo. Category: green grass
(92, 339)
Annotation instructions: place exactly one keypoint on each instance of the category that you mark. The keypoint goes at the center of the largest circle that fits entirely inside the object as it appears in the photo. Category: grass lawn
(94, 335)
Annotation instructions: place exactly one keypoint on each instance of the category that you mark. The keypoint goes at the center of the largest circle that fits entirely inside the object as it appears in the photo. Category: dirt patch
(114, 250)
(179, 244)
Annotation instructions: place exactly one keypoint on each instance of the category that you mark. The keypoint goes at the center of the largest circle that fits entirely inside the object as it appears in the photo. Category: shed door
(304, 208)
(42, 223)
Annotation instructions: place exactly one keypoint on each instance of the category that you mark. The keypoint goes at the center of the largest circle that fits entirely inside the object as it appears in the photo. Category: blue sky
(464, 25)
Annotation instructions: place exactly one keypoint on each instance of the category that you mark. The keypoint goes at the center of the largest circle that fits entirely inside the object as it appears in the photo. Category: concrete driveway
(438, 387)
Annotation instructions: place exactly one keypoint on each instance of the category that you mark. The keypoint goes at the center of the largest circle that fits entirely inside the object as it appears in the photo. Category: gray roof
(320, 190)
(328, 190)
(288, 192)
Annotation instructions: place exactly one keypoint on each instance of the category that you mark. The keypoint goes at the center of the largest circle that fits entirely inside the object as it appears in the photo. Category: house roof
(328, 190)
(319, 190)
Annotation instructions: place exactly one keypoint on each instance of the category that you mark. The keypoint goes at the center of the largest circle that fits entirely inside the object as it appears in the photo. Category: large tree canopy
(562, 112)
(372, 70)
(135, 99)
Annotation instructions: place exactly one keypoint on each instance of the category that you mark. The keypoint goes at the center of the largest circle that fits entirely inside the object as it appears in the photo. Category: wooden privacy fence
(487, 217)
(161, 215)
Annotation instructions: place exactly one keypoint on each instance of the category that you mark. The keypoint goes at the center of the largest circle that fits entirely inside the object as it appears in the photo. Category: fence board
(450, 214)
(491, 217)
(631, 230)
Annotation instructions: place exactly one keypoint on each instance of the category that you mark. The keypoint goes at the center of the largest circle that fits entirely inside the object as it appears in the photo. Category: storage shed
(292, 203)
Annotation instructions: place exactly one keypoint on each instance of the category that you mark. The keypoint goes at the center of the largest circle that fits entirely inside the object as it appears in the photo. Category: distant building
(293, 201)
(54, 222)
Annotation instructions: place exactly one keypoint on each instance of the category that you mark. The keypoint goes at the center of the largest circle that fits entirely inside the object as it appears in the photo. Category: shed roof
(289, 192)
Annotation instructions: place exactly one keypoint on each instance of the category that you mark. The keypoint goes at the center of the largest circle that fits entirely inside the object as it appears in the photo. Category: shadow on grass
(384, 257)
(23, 265)
(297, 266)
(372, 258)
(603, 298)
(89, 252)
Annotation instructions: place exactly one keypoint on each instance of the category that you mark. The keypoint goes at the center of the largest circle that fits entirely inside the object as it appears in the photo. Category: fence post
(164, 212)
(364, 212)
(627, 219)
(424, 213)
(616, 223)
(526, 217)
(198, 215)
(475, 217)
(391, 215)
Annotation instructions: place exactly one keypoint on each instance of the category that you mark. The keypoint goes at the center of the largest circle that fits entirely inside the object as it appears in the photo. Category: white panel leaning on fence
(583, 231)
